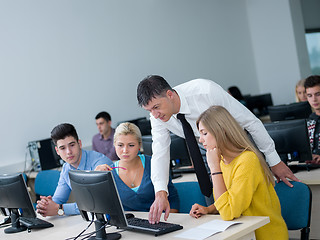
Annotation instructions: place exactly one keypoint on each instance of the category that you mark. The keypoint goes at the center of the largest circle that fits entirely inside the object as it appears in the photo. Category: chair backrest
(46, 182)
(189, 194)
(295, 206)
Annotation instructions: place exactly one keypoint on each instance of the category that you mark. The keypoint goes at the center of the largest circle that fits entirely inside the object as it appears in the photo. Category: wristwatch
(60, 210)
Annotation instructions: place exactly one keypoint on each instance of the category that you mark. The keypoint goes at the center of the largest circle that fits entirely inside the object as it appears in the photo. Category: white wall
(279, 45)
(310, 12)
(65, 61)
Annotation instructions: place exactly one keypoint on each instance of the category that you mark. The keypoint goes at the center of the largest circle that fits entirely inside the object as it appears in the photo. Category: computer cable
(90, 234)
(74, 238)
(6, 222)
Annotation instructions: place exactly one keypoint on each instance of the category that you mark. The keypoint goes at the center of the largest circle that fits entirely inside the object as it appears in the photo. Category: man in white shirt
(192, 98)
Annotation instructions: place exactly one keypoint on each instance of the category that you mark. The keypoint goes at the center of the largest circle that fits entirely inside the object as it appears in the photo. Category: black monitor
(147, 144)
(178, 150)
(95, 192)
(180, 161)
(299, 110)
(291, 140)
(259, 104)
(142, 123)
(43, 151)
(145, 126)
(15, 201)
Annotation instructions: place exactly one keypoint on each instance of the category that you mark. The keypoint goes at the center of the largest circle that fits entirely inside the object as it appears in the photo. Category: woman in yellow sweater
(242, 181)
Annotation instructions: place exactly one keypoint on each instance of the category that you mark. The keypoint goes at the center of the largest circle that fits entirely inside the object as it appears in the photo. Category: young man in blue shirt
(68, 147)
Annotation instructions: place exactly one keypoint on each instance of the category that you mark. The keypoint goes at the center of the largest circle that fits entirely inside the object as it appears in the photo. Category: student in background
(235, 92)
(132, 172)
(312, 86)
(301, 95)
(103, 141)
(242, 181)
(68, 147)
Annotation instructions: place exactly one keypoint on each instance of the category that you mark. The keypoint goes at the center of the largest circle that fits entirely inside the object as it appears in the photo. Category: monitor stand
(15, 224)
(101, 234)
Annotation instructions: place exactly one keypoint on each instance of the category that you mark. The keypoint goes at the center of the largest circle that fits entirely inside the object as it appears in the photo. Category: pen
(119, 167)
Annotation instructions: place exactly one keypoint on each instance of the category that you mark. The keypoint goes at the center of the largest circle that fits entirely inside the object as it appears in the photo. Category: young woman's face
(127, 147)
(206, 138)
(301, 93)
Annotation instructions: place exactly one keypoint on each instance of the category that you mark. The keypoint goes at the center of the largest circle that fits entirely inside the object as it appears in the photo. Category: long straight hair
(230, 135)
(299, 84)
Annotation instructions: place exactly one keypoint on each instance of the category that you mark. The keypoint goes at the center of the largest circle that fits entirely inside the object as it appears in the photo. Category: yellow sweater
(248, 194)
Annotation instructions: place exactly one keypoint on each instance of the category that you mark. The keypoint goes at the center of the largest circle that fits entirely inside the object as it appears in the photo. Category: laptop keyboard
(143, 225)
(34, 223)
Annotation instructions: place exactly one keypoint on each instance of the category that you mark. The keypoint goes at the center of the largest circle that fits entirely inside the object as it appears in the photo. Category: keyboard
(183, 170)
(143, 225)
(34, 223)
(303, 167)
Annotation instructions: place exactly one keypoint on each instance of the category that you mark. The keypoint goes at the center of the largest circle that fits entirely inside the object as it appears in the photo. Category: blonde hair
(230, 136)
(126, 129)
(299, 84)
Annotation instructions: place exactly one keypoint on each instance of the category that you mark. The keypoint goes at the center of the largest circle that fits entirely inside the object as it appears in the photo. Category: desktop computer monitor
(179, 154)
(299, 110)
(42, 152)
(147, 144)
(259, 104)
(179, 151)
(95, 192)
(15, 201)
(180, 161)
(291, 140)
(142, 123)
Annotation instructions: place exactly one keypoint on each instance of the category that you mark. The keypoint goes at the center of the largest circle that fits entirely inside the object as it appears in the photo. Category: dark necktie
(199, 167)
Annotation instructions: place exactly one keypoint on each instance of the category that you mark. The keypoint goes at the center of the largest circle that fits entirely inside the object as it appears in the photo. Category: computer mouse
(129, 215)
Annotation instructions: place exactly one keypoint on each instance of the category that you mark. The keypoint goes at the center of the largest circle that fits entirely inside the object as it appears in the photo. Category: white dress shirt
(196, 96)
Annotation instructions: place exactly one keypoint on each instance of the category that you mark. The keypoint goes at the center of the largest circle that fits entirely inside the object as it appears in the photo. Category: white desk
(186, 177)
(71, 226)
